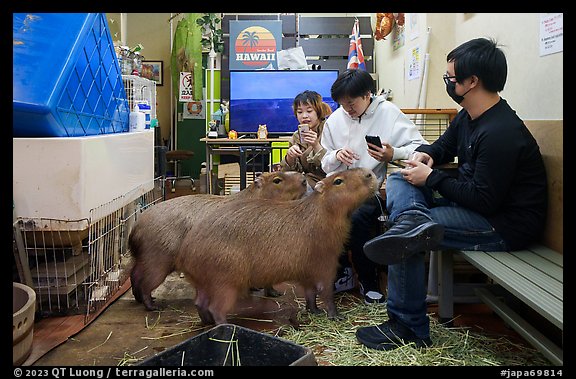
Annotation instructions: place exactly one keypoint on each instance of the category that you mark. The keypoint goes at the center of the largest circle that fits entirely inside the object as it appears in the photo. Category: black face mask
(451, 90)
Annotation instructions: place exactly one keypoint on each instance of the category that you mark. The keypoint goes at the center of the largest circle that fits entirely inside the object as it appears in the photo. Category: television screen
(266, 96)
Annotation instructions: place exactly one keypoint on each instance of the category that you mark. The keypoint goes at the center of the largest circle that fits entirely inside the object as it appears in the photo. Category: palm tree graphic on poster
(253, 44)
(249, 39)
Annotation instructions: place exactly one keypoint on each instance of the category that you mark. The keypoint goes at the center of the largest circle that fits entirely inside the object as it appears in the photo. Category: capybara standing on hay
(157, 234)
(256, 244)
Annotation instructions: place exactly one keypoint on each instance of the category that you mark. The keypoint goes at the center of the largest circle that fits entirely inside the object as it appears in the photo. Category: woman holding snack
(305, 151)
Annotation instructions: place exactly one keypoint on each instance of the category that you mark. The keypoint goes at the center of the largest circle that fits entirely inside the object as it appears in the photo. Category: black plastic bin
(233, 345)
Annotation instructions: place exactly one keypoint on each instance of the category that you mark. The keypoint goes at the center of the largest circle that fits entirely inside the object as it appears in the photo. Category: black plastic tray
(233, 345)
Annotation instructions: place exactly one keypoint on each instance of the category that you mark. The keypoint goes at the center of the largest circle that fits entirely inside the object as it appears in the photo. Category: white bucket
(23, 308)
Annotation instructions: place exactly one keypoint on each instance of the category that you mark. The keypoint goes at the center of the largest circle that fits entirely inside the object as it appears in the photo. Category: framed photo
(153, 70)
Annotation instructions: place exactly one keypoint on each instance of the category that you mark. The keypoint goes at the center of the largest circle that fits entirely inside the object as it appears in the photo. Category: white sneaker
(372, 297)
(345, 282)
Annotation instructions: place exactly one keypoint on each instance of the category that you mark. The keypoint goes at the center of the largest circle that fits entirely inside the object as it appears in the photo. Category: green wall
(189, 132)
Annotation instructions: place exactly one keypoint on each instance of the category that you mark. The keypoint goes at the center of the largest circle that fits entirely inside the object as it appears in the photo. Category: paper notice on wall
(185, 87)
(413, 63)
(414, 28)
(551, 33)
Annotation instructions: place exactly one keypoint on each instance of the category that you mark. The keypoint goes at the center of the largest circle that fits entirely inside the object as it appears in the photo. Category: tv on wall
(266, 96)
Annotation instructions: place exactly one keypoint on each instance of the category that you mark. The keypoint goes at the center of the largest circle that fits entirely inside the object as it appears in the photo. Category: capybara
(158, 232)
(256, 244)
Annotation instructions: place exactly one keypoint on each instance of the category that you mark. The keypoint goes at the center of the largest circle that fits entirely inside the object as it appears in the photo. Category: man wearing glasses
(497, 202)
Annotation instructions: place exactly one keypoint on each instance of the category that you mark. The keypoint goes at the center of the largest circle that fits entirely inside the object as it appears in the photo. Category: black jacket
(501, 173)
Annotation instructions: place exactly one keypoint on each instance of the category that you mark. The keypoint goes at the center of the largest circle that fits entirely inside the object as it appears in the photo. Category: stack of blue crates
(66, 78)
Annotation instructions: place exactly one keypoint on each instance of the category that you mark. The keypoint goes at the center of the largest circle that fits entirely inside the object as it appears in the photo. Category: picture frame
(153, 70)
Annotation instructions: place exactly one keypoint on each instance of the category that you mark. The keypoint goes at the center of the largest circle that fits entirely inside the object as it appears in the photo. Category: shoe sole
(386, 346)
(382, 303)
(388, 250)
(392, 344)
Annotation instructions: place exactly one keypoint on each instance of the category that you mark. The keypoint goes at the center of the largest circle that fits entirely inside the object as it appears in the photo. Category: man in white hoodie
(362, 114)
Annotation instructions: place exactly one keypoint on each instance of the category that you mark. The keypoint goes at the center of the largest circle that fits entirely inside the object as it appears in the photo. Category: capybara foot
(153, 307)
(271, 292)
(205, 316)
(150, 304)
(315, 311)
(337, 317)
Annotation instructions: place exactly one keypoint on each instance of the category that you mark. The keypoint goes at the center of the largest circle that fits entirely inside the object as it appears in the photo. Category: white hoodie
(381, 118)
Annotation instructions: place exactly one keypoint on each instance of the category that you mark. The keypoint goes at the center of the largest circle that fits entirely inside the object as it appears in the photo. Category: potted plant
(212, 34)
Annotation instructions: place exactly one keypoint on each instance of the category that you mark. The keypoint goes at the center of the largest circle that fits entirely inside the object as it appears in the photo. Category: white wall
(534, 87)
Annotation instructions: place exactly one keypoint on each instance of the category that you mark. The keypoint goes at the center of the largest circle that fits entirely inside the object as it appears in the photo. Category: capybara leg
(327, 296)
(222, 304)
(149, 284)
(202, 307)
(310, 296)
(135, 276)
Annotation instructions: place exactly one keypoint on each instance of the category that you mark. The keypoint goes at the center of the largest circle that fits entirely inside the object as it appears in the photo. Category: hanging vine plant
(212, 33)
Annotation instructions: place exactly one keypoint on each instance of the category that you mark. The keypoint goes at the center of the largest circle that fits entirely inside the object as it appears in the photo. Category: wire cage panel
(76, 266)
(140, 89)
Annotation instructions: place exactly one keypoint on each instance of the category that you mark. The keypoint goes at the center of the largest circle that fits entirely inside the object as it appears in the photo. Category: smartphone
(375, 140)
(301, 129)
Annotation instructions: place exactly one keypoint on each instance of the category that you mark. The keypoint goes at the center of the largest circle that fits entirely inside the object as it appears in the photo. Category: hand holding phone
(302, 128)
(375, 140)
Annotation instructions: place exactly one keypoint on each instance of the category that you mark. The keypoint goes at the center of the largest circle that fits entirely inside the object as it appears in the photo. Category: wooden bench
(534, 276)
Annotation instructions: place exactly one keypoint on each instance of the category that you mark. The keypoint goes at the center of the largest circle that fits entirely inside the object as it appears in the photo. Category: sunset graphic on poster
(255, 46)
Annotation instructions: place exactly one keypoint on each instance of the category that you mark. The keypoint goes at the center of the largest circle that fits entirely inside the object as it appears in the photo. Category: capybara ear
(319, 187)
(259, 181)
(258, 173)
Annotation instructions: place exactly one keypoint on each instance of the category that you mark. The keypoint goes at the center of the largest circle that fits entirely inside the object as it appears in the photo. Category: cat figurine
(262, 132)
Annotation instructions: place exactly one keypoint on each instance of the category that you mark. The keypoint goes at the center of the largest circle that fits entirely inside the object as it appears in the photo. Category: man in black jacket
(497, 202)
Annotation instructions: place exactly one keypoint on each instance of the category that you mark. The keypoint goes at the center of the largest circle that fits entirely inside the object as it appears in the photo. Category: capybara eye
(338, 181)
(277, 180)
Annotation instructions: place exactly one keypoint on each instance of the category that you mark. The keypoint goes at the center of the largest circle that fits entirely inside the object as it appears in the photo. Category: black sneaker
(388, 336)
(410, 234)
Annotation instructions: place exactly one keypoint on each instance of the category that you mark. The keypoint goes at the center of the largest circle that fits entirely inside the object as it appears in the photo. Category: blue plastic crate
(66, 80)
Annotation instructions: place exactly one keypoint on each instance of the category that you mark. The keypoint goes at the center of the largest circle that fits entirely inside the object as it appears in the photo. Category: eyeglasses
(447, 78)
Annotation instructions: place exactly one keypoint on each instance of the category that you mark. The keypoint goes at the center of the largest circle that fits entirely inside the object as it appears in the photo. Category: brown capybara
(156, 235)
(256, 244)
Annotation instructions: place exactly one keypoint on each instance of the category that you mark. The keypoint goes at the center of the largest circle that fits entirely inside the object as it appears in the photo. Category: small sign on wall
(185, 87)
(551, 33)
(413, 66)
(194, 109)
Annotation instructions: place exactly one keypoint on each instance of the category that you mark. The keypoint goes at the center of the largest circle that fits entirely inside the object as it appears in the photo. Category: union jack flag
(355, 53)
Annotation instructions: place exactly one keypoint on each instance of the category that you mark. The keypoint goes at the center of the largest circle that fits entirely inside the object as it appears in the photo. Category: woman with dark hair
(305, 151)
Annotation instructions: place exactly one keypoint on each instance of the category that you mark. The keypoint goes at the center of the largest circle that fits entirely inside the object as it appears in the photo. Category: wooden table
(227, 146)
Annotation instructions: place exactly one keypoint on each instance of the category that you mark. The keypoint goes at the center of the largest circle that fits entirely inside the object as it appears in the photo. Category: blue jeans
(464, 229)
